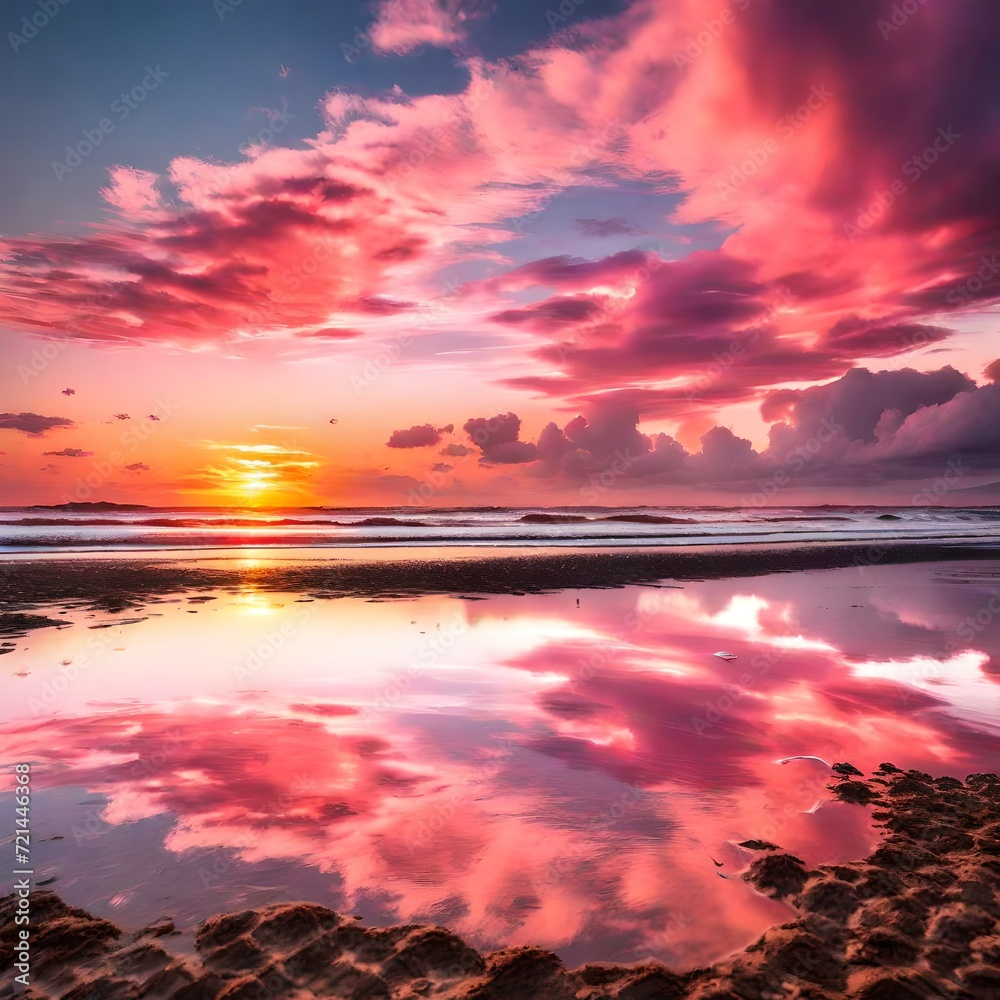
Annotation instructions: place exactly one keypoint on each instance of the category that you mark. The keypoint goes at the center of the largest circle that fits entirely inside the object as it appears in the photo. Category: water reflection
(522, 769)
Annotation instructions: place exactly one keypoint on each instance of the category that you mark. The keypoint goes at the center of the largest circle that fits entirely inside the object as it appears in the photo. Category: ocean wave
(553, 519)
(648, 519)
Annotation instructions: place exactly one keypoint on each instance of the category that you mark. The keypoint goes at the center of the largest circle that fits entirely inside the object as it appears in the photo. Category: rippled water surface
(561, 769)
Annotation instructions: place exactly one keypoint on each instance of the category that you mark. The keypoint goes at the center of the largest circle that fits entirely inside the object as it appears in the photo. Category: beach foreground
(917, 918)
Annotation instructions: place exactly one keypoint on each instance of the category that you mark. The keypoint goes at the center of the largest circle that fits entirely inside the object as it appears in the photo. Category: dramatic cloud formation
(70, 453)
(282, 240)
(32, 424)
(863, 428)
(421, 436)
(704, 324)
(794, 226)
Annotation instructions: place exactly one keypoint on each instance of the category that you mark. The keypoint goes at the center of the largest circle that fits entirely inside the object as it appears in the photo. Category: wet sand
(917, 918)
(115, 585)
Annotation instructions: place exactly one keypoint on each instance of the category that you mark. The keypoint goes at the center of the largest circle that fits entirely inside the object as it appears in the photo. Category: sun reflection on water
(432, 759)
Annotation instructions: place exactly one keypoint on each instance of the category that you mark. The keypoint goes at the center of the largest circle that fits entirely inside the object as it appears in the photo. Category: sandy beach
(117, 584)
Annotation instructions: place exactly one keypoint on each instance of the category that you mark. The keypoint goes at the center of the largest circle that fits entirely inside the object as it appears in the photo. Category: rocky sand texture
(919, 918)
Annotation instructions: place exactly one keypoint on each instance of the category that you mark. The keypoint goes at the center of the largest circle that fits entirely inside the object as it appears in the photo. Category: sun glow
(254, 473)
(257, 482)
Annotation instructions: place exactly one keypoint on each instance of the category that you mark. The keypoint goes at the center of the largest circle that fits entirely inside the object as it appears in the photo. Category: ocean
(109, 527)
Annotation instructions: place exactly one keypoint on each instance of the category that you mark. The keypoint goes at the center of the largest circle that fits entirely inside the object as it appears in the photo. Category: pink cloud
(404, 25)
(133, 192)
(846, 232)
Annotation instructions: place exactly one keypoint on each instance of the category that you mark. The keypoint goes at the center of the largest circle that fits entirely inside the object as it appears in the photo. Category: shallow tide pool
(572, 770)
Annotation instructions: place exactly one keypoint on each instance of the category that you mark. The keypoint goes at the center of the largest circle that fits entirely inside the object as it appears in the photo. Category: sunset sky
(461, 252)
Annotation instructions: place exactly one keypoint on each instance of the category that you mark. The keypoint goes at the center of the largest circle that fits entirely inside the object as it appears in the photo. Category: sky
(455, 252)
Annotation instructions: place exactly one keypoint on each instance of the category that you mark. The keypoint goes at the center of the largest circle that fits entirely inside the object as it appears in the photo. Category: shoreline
(919, 917)
(109, 584)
